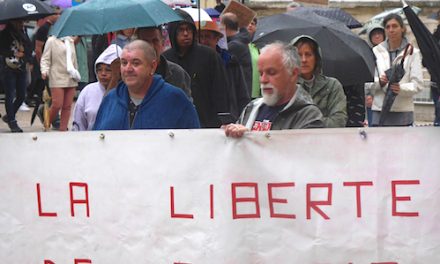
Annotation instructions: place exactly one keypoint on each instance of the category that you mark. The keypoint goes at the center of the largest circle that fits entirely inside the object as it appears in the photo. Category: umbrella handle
(410, 48)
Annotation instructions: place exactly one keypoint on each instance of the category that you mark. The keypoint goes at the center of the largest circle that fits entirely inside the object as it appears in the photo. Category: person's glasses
(184, 29)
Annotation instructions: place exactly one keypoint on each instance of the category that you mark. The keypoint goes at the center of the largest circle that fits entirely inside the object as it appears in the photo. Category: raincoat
(53, 62)
(411, 83)
(327, 93)
(208, 76)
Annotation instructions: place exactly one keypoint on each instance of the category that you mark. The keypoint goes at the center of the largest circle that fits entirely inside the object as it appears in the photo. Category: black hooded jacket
(208, 77)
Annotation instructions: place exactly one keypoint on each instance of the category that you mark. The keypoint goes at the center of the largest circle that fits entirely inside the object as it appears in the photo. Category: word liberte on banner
(311, 204)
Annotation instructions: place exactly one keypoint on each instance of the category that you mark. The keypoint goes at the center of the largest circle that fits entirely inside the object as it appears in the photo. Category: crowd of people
(196, 83)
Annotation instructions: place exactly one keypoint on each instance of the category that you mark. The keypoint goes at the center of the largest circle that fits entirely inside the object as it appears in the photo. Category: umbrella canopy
(174, 3)
(66, 3)
(212, 12)
(61, 3)
(194, 13)
(377, 19)
(345, 55)
(429, 47)
(23, 9)
(332, 13)
(102, 16)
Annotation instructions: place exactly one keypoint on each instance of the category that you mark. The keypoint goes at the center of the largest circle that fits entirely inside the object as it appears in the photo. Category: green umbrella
(102, 16)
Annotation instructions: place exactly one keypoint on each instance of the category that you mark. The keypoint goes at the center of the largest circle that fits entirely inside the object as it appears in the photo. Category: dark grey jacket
(174, 74)
(329, 96)
(208, 76)
(299, 113)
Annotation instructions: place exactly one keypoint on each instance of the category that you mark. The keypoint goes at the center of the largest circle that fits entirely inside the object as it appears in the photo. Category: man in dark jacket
(171, 72)
(238, 47)
(210, 35)
(285, 104)
(144, 100)
(204, 66)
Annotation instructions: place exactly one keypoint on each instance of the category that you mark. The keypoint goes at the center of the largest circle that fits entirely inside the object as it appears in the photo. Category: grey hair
(289, 54)
(145, 47)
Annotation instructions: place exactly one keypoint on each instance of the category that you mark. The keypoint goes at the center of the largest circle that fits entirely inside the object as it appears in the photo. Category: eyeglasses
(184, 28)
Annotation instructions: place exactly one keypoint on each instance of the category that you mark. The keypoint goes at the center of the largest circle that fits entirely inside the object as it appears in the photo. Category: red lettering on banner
(40, 207)
(314, 204)
(272, 200)
(75, 261)
(173, 214)
(358, 194)
(78, 261)
(79, 201)
(235, 200)
(396, 198)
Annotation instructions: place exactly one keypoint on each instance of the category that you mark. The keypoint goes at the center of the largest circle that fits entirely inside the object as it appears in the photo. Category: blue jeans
(14, 83)
(370, 116)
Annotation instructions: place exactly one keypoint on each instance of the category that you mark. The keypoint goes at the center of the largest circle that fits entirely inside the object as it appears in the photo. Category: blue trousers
(14, 84)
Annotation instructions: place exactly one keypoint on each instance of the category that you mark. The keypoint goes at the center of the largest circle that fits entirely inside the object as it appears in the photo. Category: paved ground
(24, 121)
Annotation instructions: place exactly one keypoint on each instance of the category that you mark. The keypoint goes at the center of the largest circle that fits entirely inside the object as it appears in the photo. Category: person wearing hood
(204, 66)
(389, 53)
(90, 98)
(285, 104)
(171, 72)
(327, 92)
(376, 35)
(144, 100)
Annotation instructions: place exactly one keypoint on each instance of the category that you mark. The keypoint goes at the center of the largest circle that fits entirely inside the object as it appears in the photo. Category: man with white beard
(285, 104)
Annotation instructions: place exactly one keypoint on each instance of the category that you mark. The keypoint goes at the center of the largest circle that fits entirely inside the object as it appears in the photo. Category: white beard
(270, 99)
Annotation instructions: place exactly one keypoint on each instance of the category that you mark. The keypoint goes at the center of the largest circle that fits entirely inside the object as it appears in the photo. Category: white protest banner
(195, 196)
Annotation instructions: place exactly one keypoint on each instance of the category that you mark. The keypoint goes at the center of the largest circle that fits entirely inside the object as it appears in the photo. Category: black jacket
(238, 92)
(241, 51)
(174, 74)
(208, 76)
(7, 36)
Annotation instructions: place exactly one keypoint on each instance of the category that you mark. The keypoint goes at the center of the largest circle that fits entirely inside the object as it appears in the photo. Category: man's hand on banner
(235, 130)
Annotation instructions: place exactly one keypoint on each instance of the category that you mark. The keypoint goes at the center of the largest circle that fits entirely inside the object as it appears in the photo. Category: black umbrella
(332, 13)
(23, 9)
(394, 75)
(345, 55)
(428, 45)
